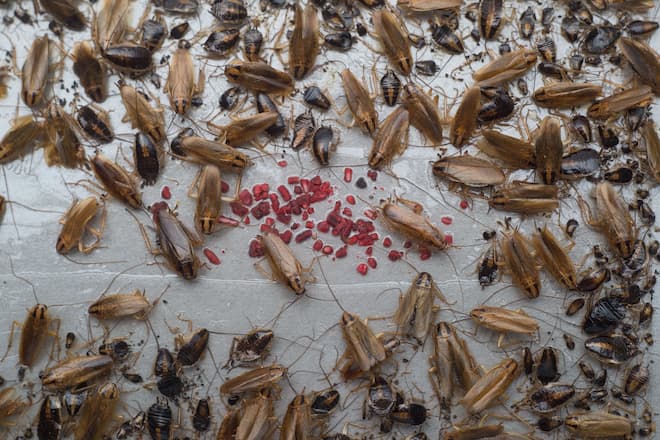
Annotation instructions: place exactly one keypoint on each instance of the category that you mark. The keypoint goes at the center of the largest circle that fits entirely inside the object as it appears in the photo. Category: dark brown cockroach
(490, 18)
(580, 163)
(11, 403)
(593, 280)
(359, 102)
(191, 347)
(646, 313)
(641, 28)
(97, 413)
(259, 77)
(49, 426)
(95, 122)
(148, 158)
(390, 86)
(506, 68)
(412, 414)
(201, 419)
(252, 42)
(469, 171)
(394, 40)
(636, 379)
(132, 377)
(504, 48)
(315, 97)
(446, 38)
(500, 104)
(203, 151)
(220, 43)
(514, 152)
(490, 386)
(569, 341)
(601, 378)
(159, 420)
(415, 311)
(547, 16)
(116, 180)
(575, 306)
(231, 97)
(619, 175)
(546, 366)
(70, 339)
(181, 85)
(598, 424)
(73, 372)
(554, 257)
(549, 397)
(424, 114)
(65, 12)
(175, 145)
(407, 218)
(528, 361)
(581, 125)
(73, 402)
(170, 385)
(465, 119)
(381, 398)
(587, 370)
(620, 102)
(284, 265)
(304, 42)
(548, 150)
(230, 13)
(142, 115)
(265, 105)
(209, 194)
(566, 94)
(611, 349)
(75, 223)
(117, 349)
(164, 364)
(599, 39)
(608, 137)
(297, 422)
(571, 28)
(324, 143)
(553, 70)
(521, 263)
(342, 41)
(391, 139)
(89, 71)
(254, 379)
(525, 198)
(248, 349)
(580, 11)
(304, 128)
(526, 22)
(488, 267)
(128, 57)
(547, 48)
(35, 73)
(324, 402)
(62, 146)
(152, 33)
(179, 31)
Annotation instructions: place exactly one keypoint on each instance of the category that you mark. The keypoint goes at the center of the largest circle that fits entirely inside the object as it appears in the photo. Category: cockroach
(506, 68)
(132, 377)
(646, 313)
(442, 365)
(63, 146)
(76, 222)
(613, 349)
(342, 41)
(254, 379)
(315, 97)
(324, 402)
(641, 28)
(255, 416)
(191, 347)
(490, 18)
(581, 125)
(490, 386)
(553, 70)
(608, 137)
(265, 105)
(499, 106)
(116, 180)
(11, 403)
(152, 32)
(406, 217)
(467, 432)
(304, 43)
(363, 348)
(148, 157)
(359, 102)
(284, 265)
(73, 372)
(394, 40)
(201, 419)
(170, 386)
(97, 412)
(95, 122)
(566, 94)
(304, 128)
(579, 10)
(415, 311)
(324, 143)
(525, 198)
(220, 43)
(209, 194)
(587, 370)
(465, 119)
(381, 398)
(66, 13)
(49, 426)
(514, 152)
(447, 39)
(571, 28)
(230, 13)
(526, 22)
(546, 366)
(203, 151)
(252, 43)
(429, 5)
(230, 98)
(142, 115)
(35, 72)
(391, 139)
(549, 397)
(619, 175)
(620, 102)
(522, 86)
(528, 361)
(593, 280)
(548, 150)
(580, 163)
(117, 349)
(181, 85)
(652, 141)
(297, 423)
(601, 379)
(89, 71)
(636, 379)
(164, 364)
(178, 31)
(259, 77)
(229, 425)
(121, 305)
(547, 16)
(423, 112)
(575, 306)
(547, 48)
(520, 262)
(569, 341)
(135, 425)
(110, 24)
(390, 86)
(250, 348)
(554, 257)
(488, 267)
(159, 420)
(636, 117)
(598, 424)
(73, 402)
(468, 170)
(599, 39)
(504, 320)
(70, 339)
(128, 57)
(412, 414)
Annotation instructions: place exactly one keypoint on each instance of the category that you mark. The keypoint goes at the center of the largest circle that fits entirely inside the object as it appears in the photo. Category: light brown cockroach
(566, 94)
(297, 423)
(229, 425)
(304, 43)
(394, 41)
(259, 77)
(142, 114)
(73, 372)
(490, 386)
(203, 151)
(504, 320)
(520, 263)
(284, 265)
(474, 432)
(469, 171)
(3, 206)
(110, 24)
(24, 134)
(465, 119)
(406, 217)
(97, 413)
(122, 305)
(63, 146)
(359, 102)
(599, 424)
(363, 348)
(548, 150)
(116, 180)
(424, 113)
(442, 369)
(76, 222)
(429, 5)
(415, 312)
(256, 414)
(390, 140)
(89, 71)
(506, 68)
(65, 12)
(241, 131)
(643, 60)
(620, 101)
(4, 78)
(555, 259)
(181, 85)
(613, 219)
(525, 198)
(255, 379)
(36, 327)
(209, 199)
(515, 153)
(10, 404)
(650, 135)
(35, 73)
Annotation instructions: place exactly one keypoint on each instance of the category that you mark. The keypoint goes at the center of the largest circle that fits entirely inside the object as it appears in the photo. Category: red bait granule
(255, 249)
(371, 261)
(464, 204)
(318, 244)
(362, 269)
(212, 257)
(245, 197)
(348, 175)
(165, 193)
(446, 220)
(395, 255)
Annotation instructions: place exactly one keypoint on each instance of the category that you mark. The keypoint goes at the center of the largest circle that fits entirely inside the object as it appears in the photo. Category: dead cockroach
(426, 67)
(611, 349)
(181, 85)
(73, 402)
(142, 114)
(429, 5)
(506, 68)
(116, 180)
(571, 28)
(490, 18)
(620, 102)
(547, 48)
(381, 398)
(580, 163)
(412, 414)
(465, 119)
(500, 104)
(575, 306)
(63, 146)
(565, 94)
(250, 348)
(488, 267)
(415, 311)
(75, 224)
(593, 280)
(650, 135)
(220, 43)
(646, 313)
(446, 38)
(504, 320)
(442, 366)
(179, 31)
(636, 117)
(209, 195)
(304, 128)
(255, 415)
(359, 102)
(25, 133)
(70, 339)
(159, 420)
(253, 380)
(110, 24)
(548, 150)
(599, 39)
(135, 424)
(49, 426)
(38, 325)
(490, 386)
(266, 105)
(97, 412)
(314, 96)
(229, 13)
(35, 72)
(203, 151)
(636, 379)
(324, 402)
(252, 42)
(549, 398)
(643, 60)
(89, 71)
(342, 41)
(514, 152)
(297, 423)
(229, 425)
(10, 403)
(73, 372)
(604, 316)
(546, 366)
(599, 424)
(324, 143)
(474, 432)
(528, 361)
(164, 364)
(391, 139)
(191, 347)
(527, 22)
(231, 97)
(153, 32)
(117, 349)
(608, 137)
(521, 263)
(641, 28)
(468, 170)
(95, 122)
(406, 216)
(304, 42)
(423, 112)
(362, 346)
(569, 341)
(394, 40)
(121, 305)
(201, 420)
(259, 77)
(554, 257)
(525, 198)
(148, 158)
(284, 265)
(128, 57)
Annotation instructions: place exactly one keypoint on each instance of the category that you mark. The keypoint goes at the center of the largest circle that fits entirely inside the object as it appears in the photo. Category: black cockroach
(170, 386)
(390, 85)
(95, 124)
(641, 28)
(553, 69)
(548, 424)
(569, 341)
(191, 347)
(230, 13)
(265, 104)
(611, 349)
(409, 414)
(314, 96)
(580, 11)
(325, 401)
(117, 349)
(324, 144)
(70, 339)
(129, 57)
(490, 18)
(528, 361)
(304, 128)
(636, 117)
(132, 377)
(164, 364)
(500, 106)
(571, 28)
(201, 420)
(599, 39)
(608, 137)
(49, 426)
(620, 175)
(504, 48)
(342, 41)
(604, 316)
(152, 33)
(220, 43)
(159, 420)
(230, 98)
(175, 145)
(73, 402)
(547, 48)
(447, 39)
(178, 31)
(148, 158)
(252, 42)
(546, 366)
(547, 16)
